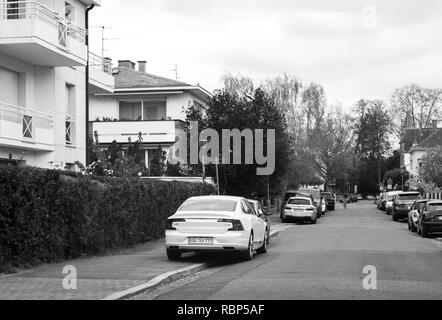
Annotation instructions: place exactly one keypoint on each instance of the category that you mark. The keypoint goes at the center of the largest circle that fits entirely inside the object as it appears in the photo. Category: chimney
(142, 66)
(126, 64)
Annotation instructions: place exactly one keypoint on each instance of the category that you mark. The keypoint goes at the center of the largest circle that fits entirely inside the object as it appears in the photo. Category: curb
(167, 278)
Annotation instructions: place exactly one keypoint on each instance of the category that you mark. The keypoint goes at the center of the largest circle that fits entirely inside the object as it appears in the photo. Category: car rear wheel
(173, 254)
(393, 217)
(247, 255)
(424, 231)
(313, 221)
(263, 248)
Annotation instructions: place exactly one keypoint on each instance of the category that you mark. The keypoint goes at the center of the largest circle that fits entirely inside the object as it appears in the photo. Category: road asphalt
(326, 261)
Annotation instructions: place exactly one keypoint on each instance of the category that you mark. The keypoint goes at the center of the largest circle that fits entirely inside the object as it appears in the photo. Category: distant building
(144, 103)
(419, 151)
(43, 58)
(411, 136)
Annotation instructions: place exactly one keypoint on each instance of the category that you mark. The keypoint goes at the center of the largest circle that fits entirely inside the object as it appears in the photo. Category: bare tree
(422, 105)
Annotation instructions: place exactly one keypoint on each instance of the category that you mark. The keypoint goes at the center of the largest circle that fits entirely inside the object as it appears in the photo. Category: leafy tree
(432, 167)
(157, 164)
(230, 110)
(372, 128)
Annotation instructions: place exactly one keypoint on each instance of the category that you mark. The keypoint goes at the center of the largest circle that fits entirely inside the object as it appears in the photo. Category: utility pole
(103, 39)
(175, 70)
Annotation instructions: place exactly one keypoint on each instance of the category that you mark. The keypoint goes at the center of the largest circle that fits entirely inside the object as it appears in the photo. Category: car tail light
(169, 223)
(236, 224)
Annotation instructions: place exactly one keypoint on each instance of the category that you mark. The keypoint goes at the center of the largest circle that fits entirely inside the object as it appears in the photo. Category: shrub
(47, 216)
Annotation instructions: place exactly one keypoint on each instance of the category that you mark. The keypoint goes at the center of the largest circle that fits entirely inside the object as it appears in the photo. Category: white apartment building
(43, 59)
(144, 103)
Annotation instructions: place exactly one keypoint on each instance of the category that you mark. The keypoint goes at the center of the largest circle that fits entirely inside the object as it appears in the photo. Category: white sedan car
(300, 209)
(215, 223)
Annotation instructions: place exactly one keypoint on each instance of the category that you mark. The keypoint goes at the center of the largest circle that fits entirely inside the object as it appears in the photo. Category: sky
(355, 49)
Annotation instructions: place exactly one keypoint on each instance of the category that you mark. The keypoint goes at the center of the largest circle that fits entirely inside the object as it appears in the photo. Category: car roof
(393, 192)
(409, 192)
(303, 198)
(434, 202)
(216, 197)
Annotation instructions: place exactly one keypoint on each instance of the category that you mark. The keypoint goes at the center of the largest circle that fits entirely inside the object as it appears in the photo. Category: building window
(69, 130)
(27, 127)
(130, 111)
(154, 110)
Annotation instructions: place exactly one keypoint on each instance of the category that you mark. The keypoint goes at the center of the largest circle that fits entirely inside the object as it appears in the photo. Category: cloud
(323, 41)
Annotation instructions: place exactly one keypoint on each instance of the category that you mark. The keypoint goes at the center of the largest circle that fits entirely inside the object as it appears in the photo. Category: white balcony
(31, 32)
(158, 131)
(100, 75)
(26, 129)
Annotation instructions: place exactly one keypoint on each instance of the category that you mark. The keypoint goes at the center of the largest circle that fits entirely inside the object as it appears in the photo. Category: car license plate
(202, 241)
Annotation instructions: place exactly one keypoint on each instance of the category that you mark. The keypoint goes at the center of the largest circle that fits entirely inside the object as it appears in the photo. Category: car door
(258, 224)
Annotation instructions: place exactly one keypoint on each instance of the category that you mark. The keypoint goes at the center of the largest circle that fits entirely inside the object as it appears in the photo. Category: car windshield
(289, 195)
(209, 205)
(302, 202)
(411, 196)
(315, 193)
(435, 206)
(421, 205)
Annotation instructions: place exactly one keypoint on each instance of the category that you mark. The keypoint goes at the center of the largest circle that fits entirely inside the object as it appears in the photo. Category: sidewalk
(99, 276)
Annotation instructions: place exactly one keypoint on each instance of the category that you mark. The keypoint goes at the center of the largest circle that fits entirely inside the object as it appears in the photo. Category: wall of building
(414, 161)
(43, 89)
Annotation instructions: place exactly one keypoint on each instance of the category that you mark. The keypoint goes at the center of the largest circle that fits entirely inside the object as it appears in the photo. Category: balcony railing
(27, 125)
(21, 10)
(97, 62)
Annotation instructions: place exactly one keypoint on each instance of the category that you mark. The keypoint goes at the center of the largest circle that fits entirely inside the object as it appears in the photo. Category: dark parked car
(402, 204)
(430, 219)
(329, 200)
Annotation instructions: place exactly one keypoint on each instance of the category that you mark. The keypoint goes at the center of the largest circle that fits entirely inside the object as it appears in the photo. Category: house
(419, 151)
(43, 82)
(411, 136)
(144, 103)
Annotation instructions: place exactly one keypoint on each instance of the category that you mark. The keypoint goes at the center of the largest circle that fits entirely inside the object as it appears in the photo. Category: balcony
(31, 32)
(153, 131)
(100, 75)
(26, 129)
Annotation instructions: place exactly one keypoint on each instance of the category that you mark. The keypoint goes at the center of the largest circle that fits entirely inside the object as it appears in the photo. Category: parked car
(359, 197)
(329, 200)
(430, 219)
(402, 204)
(300, 209)
(317, 197)
(413, 214)
(256, 205)
(290, 194)
(389, 201)
(215, 223)
(382, 201)
(354, 197)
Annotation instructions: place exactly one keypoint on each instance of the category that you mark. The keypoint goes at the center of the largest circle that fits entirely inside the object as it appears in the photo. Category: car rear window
(209, 205)
(303, 202)
(435, 206)
(408, 196)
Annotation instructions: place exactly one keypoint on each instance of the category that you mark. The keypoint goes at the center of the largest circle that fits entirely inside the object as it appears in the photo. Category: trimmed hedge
(47, 216)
